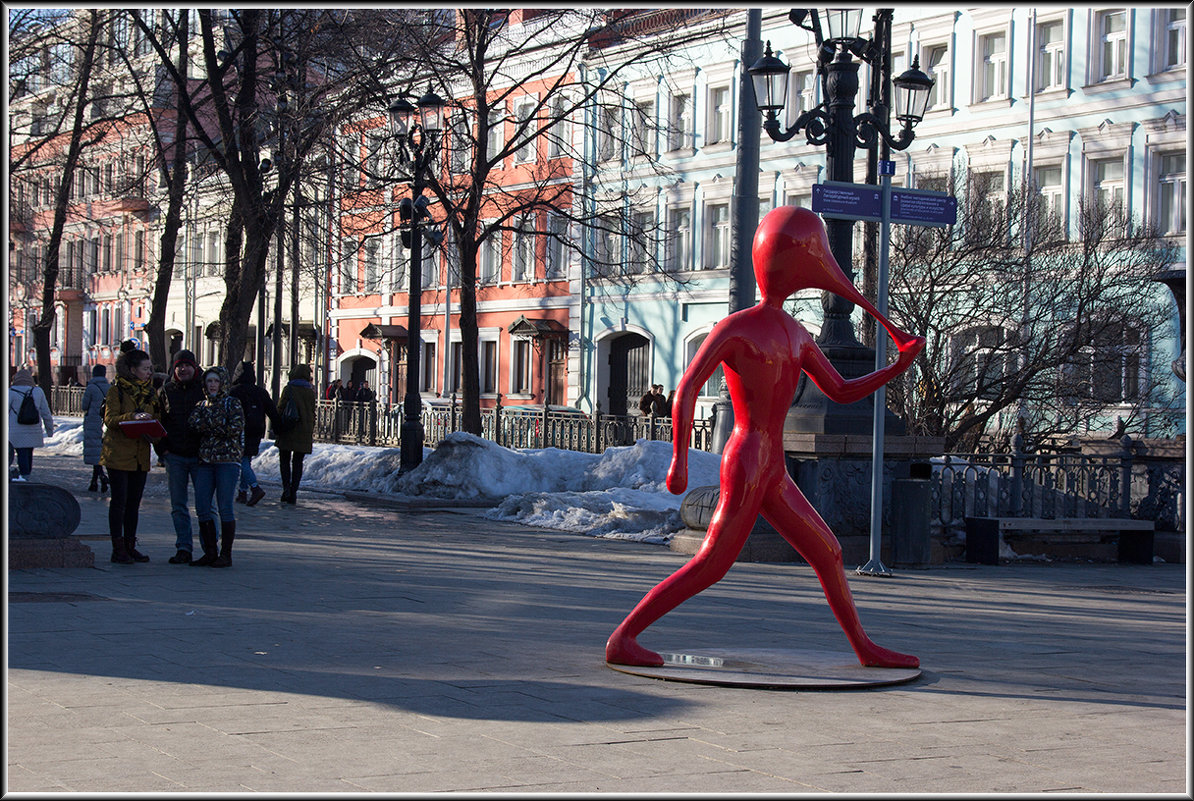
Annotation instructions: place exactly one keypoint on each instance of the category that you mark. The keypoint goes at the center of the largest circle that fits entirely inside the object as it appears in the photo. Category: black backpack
(27, 414)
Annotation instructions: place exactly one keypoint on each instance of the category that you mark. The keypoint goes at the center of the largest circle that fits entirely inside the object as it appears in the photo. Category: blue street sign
(847, 201)
(923, 207)
(886, 167)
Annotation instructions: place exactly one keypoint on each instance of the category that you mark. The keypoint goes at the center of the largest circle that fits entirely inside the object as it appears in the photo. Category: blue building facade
(1085, 102)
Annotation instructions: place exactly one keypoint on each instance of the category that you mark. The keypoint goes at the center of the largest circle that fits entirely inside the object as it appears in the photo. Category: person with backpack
(128, 460)
(257, 406)
(179, 449)
(28, 413)
(295, 430)
(220, 423)
(93, 426)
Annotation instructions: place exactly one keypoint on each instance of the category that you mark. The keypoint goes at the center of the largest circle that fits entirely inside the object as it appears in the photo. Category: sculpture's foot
(872, 655)
(624, 650)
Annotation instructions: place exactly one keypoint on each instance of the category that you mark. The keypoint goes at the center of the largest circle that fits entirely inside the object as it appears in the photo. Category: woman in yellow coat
(128, 460)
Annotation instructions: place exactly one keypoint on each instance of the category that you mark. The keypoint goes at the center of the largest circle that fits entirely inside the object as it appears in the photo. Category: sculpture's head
(791, 252)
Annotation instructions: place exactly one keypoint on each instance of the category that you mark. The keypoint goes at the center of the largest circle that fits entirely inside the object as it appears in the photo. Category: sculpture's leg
(794, 517)
(728, 529)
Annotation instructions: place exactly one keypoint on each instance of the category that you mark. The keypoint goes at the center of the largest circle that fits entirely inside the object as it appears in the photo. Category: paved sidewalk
(359, 647)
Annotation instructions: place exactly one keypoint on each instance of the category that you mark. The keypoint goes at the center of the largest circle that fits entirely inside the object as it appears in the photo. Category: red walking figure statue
(764, 351)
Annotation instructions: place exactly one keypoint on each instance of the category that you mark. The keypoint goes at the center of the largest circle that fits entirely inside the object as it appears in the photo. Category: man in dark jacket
(180, 447)
(257, 405)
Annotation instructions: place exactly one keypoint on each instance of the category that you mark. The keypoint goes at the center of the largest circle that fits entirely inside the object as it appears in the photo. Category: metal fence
(380, 424)
(1011, 480)
(1121, 483)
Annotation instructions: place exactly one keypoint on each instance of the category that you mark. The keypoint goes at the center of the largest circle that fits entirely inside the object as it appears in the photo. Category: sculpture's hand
(677, 475)
(909, 347)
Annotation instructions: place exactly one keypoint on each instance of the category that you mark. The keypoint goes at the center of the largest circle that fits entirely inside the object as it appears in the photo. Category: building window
(1051, 70)
(496, 136)
(491, 258)
(712, 387)
(717, 255)
(802, 93)
(557, 246)
(717, 127)
(460, 143)
(984, 361)
(1108, 182)
(607, 133)
(679, 122)
(993, 70)
(1174, 38)
(213, 253)
(1052, 210)
(936, 62)
(522, 267)
(642, 238)
(678, 246)
(525, 111)
(488, 366)
(608, 234)
(642, 134)
(372, 265)
(427, 368)
(1109, 371)
(560, 138)
(1113, 44)
(348, 271)
(521, 356)
(1171, 206)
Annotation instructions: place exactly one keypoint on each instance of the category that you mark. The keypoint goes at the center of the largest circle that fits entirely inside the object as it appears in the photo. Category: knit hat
(300, 372)
(99, 369)
(128, 346)
(184, 357)
(23, 378)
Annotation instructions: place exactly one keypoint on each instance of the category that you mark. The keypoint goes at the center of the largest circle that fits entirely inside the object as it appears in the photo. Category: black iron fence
(1124, 478)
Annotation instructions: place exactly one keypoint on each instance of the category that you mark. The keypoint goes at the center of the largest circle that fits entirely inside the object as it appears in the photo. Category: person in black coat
(258, 406)
(180, 447)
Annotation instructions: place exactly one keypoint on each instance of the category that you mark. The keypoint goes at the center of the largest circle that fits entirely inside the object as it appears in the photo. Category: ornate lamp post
(417, 129)
(834, 125)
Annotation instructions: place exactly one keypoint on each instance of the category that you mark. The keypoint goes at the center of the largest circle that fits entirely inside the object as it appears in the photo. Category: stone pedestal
(763, 545)
(834, 473)
(41, 519)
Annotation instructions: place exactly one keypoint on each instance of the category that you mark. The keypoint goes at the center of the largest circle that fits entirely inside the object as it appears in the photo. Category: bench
(985, 534)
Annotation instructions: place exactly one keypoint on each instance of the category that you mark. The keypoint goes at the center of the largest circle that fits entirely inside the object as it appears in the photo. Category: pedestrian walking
(220, 422)
(179, 449)
(93, 426)
(24, 428)
(257, 406)
(128, 460)
(295, 443)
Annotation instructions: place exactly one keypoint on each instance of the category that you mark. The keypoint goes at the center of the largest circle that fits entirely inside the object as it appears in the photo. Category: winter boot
(130, 545)
(103, 482)
(120, 554)
(93, 486)
(207, 538)
(227, 535)
(255, 494)
(242, 496)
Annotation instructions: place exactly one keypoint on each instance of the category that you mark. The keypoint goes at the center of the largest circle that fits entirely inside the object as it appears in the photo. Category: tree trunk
(470, 412)
(41, 331)
(155, 326)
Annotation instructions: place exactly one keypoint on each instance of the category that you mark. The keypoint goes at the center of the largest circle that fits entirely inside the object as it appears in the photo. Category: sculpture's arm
(818, 367)
(707, 357)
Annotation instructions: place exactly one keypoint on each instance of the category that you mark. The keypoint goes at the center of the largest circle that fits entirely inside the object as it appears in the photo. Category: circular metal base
(771, 669)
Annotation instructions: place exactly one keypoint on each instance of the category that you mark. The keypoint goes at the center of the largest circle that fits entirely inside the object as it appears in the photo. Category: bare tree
(520, 86)
(1026, 322)
(55, 142)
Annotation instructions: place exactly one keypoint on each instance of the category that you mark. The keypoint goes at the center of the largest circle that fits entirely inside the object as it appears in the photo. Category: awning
(378, 331)
(306, 330)
(212, 331)
(537, 327)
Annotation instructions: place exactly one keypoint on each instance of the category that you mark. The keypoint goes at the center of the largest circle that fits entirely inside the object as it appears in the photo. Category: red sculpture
(764, 351)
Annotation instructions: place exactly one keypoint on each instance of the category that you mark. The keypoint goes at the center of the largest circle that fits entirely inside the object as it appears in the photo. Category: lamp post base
(412, 446)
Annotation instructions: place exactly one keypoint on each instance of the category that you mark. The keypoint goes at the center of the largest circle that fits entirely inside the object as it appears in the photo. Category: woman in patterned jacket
(219, 421)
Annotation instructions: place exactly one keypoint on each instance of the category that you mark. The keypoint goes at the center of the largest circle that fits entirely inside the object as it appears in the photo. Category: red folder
(133, 429)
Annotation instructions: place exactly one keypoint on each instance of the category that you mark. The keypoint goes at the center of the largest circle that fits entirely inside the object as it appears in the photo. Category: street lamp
(833, 124)
(417, 128)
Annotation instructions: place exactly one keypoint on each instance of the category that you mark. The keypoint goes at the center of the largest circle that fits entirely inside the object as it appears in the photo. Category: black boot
(92, 487)
(227, 535)
(130, 545)
(103, 481)
(207, 539)
(120, 554)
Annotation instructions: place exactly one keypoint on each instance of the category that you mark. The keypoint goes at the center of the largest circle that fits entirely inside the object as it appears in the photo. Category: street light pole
(834, 125)
(417, 142)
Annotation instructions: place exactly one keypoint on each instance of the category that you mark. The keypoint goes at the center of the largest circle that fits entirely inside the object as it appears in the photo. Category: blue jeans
(247, 477)
(180, 469)
(218, 479)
